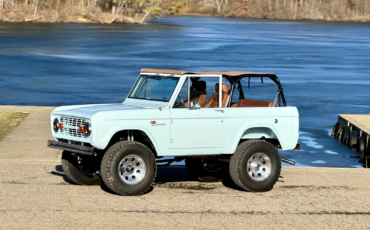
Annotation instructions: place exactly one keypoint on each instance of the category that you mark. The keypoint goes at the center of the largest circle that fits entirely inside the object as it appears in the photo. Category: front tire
(207, 170)
(81, 169)
(255, 166)
(129, 168)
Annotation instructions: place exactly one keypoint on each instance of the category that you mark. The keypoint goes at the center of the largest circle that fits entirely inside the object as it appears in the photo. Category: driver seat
(213, 101)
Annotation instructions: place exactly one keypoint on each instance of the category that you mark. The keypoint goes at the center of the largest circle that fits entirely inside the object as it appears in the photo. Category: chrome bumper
(71, 148)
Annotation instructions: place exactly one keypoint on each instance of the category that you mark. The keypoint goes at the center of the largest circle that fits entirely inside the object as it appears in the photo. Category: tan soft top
(181, 72)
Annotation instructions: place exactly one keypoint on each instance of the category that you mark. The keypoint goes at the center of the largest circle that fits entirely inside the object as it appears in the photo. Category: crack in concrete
(199, 212)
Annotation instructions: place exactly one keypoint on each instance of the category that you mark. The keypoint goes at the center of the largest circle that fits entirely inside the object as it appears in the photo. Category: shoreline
(107, 18)
(78, 17)
(278, 19)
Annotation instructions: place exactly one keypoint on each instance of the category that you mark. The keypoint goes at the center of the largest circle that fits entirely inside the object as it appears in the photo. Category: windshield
(156, 88)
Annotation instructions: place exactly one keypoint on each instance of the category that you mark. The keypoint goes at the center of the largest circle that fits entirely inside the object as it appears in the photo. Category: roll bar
(236, 80)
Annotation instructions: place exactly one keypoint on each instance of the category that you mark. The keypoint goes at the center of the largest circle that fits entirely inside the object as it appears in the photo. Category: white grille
(71, 125)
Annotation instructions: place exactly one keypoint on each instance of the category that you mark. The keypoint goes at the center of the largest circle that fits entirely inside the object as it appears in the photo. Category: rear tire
(81, 169)
(129, 168)
(207, 170)
(255, 166)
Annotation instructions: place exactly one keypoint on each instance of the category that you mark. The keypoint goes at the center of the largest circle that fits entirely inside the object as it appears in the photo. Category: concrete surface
(35, 194)
(360, 121)
(28, 140)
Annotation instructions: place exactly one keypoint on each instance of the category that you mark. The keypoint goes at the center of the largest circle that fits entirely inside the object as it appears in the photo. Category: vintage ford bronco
(202, 117)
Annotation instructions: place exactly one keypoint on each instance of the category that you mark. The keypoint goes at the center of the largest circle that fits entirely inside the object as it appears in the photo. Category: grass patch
(9, 120)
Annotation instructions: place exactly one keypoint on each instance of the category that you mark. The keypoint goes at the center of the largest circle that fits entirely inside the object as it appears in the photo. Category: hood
(89, 110)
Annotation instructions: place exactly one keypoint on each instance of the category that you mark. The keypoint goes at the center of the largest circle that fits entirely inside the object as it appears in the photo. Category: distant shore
(315, 10)
(140, 11)
(327, 19)
(83, 18)
(107, 18)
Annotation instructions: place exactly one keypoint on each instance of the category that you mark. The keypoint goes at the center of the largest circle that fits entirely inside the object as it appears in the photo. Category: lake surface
(324, 67)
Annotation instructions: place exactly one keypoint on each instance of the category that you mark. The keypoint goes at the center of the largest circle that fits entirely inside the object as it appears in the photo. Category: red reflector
(152, 122)
(81, 128)
(61, 125)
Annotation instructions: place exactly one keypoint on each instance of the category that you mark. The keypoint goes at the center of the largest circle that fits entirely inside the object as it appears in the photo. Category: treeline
(345, 10)
(139, 11)
(103, 11)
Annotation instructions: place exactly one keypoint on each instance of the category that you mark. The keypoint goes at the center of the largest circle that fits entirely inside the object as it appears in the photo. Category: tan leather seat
(213, 101)
(254, 103)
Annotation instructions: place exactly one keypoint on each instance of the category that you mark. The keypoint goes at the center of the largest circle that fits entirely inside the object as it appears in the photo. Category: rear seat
(253, 103)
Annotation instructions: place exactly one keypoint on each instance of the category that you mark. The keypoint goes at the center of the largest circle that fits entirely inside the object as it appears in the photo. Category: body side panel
(109, 123)
(239, 120)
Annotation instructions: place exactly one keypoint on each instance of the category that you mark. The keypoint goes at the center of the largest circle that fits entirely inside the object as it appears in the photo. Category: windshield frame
(152, 76)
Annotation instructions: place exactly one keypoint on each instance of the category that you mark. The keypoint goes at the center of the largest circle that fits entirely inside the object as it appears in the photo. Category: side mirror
(195, 105)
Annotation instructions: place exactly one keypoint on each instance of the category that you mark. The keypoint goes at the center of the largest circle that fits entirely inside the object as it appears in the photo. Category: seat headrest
(200, 85)
(225, 88)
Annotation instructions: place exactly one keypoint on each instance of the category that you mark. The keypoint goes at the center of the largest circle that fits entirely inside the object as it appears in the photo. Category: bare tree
(114, 6)
(269, 2)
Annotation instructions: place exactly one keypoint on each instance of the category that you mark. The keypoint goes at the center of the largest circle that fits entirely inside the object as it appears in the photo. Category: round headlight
(56, 125)
(87, 129)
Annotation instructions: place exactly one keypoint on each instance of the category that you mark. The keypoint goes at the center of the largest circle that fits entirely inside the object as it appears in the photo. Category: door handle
(219, 110)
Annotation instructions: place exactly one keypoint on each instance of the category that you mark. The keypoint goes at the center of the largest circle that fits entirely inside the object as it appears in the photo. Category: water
(324, 66)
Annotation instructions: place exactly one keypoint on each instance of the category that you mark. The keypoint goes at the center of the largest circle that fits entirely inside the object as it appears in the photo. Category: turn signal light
(61, 125)
(81, 128)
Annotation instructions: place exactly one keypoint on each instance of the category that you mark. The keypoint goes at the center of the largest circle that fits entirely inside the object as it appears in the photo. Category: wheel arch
(257, 132)
(139, 135)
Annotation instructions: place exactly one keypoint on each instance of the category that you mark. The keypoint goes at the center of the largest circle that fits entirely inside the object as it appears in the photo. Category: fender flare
(120, 129)
(247, 127)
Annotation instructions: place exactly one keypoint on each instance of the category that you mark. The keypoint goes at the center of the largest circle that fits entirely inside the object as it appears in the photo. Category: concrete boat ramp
(35, 194)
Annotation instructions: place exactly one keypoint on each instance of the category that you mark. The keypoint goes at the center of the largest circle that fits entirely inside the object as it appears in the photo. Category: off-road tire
(198, 171)
(73, 172)
(110, 165)
(339, 128)
(238, 166)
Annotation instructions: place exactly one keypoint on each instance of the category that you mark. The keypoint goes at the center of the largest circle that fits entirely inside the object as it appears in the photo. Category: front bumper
(71, 148)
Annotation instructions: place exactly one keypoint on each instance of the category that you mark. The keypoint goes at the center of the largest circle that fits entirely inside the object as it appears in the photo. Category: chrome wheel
(259, 167)
(132, 169)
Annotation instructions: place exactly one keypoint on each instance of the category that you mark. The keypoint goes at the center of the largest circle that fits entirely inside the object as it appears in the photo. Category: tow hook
(287, 161)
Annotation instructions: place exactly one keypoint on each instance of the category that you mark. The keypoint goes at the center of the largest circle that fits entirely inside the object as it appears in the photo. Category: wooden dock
(354, 131)
(360, 123)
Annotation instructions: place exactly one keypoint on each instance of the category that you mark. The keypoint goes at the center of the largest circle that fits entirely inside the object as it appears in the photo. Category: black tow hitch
(287, 161)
